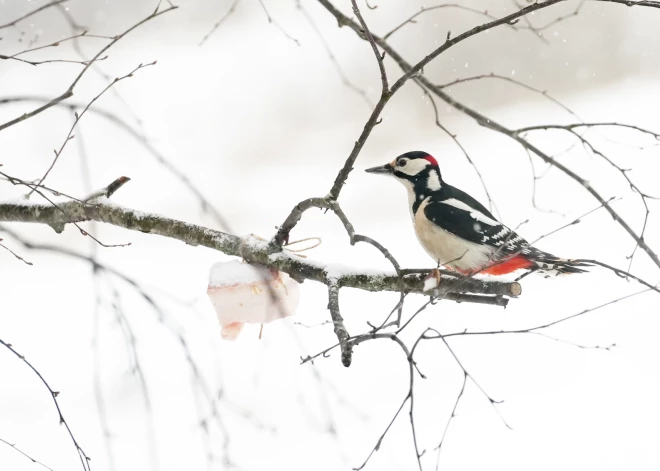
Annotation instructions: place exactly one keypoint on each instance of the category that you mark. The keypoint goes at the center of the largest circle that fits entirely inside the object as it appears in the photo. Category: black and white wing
(475, 224)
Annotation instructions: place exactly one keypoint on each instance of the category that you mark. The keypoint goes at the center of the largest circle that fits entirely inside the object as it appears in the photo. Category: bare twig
(231, 10)
(69, 92)
(276, 24)
(78, 117)
(206, 205)
(423, 10)
(56, 44)
(33, 12)
(569, 127)
(335, 63)
(518, 83)
(15, 254)
(449, 420)
(492, 401)
(35, 461)
(491, 203)
(370, 38)
(572, 223)
(84, 459)
(549, 324)
(415, 69)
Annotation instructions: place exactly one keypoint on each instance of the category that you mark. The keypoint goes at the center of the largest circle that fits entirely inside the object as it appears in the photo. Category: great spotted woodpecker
(458, 231)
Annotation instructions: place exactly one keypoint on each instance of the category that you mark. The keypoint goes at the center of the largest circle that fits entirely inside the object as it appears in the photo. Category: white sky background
(258, 124)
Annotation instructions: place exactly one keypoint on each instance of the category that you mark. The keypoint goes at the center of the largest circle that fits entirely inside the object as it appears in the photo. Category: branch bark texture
(254, 250)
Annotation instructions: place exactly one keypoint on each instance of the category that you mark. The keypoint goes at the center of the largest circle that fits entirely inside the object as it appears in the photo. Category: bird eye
(401, 163)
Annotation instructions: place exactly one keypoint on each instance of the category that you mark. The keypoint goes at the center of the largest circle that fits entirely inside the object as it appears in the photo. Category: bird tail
(548, 264)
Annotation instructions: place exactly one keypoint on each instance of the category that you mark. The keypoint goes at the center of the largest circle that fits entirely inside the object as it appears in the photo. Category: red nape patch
(431, 159)
(511, 265)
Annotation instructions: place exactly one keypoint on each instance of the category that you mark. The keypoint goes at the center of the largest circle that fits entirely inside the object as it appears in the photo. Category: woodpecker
(458, 232)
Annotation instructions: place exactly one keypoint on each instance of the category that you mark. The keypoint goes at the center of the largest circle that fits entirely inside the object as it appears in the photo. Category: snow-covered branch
(252, 249)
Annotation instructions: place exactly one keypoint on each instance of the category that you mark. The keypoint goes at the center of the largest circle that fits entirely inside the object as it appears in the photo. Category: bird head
(415, 169)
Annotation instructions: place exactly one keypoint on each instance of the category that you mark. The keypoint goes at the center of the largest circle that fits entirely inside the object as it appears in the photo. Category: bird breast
(446, 248)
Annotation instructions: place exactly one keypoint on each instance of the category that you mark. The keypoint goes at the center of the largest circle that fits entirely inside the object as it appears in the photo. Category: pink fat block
(241, 293)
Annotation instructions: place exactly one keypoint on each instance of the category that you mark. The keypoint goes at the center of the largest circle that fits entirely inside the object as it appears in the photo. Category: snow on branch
(251, 249)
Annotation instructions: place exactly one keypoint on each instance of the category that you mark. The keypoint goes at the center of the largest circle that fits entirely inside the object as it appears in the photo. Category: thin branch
(539, 29)
(492, 401)
(78, 117)
(624, 172)
(33, 12)
(409, 396)
(449, 420)
(572, 223)
(49, 61)
(69, 92)
(620, 273)
(359, 144)
(370, 38)
(206, 205)
(277, 25)
(568, 127)
(84, 459)
(417, 68)
(25, 454)
(423, 10)
(335, 63)
(220, 21)
(518, 83)
(535, 178)
(491, 203)
(60, 41)
(632, 3)
(136, 368)
(15, 254)
(547, 325)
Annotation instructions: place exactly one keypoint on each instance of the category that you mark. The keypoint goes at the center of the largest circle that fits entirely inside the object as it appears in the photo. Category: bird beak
(386, 169)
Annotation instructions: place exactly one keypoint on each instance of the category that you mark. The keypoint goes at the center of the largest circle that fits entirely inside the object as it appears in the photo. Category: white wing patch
(476, 214)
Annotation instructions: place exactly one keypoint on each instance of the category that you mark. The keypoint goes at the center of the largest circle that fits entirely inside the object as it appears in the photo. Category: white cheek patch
(414, 166)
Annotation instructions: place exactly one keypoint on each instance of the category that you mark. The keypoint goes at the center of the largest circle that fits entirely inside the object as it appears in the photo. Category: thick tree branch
(338, 322)
(255, 251)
